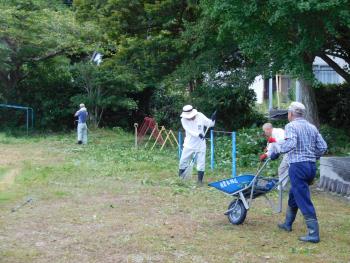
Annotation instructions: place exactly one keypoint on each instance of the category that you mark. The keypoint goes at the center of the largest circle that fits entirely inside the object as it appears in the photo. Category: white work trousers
(82, 132)
(186, 157)
(283, 170)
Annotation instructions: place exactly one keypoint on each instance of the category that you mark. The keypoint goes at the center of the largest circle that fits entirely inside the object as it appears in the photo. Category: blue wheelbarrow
(246, 187)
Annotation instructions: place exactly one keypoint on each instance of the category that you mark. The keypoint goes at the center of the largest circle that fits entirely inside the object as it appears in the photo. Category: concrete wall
(335, 175)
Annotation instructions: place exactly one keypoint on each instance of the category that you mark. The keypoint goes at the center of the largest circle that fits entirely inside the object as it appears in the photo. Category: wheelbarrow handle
(262, 166)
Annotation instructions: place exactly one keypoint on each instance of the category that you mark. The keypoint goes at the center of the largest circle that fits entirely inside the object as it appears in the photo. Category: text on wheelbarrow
(228, 182)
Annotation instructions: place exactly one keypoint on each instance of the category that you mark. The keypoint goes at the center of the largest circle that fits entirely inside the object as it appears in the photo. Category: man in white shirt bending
(275, 136)
(194, 123)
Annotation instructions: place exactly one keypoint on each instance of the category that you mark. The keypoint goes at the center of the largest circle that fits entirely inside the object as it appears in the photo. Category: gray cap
(297, 108)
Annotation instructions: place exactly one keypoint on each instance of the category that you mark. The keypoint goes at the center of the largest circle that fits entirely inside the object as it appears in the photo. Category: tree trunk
(95, 117)
(309, 100)
(9, 81)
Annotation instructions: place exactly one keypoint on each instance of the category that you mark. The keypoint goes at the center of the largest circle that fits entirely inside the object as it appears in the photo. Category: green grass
(3, 171)
(110, 202)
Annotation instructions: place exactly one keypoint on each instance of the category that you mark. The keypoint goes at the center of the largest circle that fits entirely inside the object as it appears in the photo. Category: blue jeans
(301, 175)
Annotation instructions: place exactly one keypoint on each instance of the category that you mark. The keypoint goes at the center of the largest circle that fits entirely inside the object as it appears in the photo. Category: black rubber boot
(200, 177)
(313, 235)
(291, 214)
(181, 171)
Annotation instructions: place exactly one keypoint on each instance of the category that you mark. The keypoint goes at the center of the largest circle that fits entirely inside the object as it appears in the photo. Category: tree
(104, 87)
(143, 35)
(231, 98)
(206, 54)
(280, 35)
(34, 31)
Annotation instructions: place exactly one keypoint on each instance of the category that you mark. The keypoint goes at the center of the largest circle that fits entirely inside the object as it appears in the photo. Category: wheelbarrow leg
(280, 193)
(245, 203)
(280, 199)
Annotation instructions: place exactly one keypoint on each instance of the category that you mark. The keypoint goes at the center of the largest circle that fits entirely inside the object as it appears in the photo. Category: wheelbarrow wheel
(237, 212)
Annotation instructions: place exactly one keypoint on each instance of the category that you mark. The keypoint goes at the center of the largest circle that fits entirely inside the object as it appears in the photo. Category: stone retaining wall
(335, 175)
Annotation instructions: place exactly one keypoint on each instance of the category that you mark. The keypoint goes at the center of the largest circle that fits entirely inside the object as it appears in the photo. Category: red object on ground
(149, 124)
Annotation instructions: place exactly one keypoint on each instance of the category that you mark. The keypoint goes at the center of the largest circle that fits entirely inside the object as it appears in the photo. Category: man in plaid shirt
(304, 145)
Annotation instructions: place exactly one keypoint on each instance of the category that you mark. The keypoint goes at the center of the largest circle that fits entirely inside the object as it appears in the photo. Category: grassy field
(108, 202)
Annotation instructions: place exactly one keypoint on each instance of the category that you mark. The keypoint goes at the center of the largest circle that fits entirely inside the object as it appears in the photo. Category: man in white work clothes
(194, 123)
(276, 136)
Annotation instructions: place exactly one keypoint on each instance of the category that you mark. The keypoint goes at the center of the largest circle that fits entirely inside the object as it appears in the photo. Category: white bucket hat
(188, 112)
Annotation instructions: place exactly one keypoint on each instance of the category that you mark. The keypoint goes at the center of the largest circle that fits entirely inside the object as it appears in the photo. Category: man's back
(303, 142)
(82, 116)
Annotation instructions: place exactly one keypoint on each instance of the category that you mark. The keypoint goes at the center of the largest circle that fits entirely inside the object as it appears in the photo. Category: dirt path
(13, 157)
(9, 178)
(16, 154)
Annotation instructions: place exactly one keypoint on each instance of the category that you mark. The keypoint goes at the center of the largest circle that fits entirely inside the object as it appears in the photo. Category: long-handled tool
(29, 200)
(188, 171)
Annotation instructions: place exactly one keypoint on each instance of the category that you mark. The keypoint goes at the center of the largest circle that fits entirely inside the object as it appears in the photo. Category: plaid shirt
(303, 142)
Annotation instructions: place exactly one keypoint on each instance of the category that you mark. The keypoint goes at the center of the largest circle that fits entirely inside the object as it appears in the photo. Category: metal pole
(212, 149)
(136, 125)
(270, 94)
(297, 91)
(27, 121)
(32, 119)
(180, 143)
(233, 154)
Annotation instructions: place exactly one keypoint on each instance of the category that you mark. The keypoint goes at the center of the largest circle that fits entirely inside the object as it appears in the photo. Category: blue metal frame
(233, 154)
(27, 109)
(212, 149)
(180, 143)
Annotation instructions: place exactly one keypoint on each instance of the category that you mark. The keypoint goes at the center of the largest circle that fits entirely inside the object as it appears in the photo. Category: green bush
(47, 89)
(338, 140)
(235, 105)
(166, 106)
(333, 103)
(250, 143)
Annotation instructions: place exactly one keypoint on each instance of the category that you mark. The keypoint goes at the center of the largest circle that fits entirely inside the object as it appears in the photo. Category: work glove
(201, 136)
(263, 157)
(271, 140)
(274, 156)
(213, 116)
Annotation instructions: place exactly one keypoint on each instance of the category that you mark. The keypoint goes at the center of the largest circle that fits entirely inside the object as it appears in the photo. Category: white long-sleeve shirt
(279, 135)
(193, 128)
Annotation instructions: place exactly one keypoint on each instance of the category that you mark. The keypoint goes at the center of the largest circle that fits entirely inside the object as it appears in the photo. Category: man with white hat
(304, 145)
(194, 123)
(82, 115)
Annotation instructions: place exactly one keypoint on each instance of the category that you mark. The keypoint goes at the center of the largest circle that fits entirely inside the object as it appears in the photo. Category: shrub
(333, 103)
(338, 140)
(166, 106)
(250, 144)
(235, 105)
